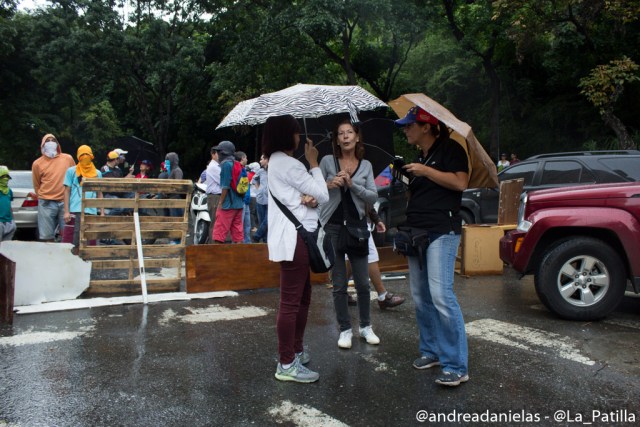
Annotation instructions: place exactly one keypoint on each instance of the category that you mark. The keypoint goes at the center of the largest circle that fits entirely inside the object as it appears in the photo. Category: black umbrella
(376, 133)
(137, 150)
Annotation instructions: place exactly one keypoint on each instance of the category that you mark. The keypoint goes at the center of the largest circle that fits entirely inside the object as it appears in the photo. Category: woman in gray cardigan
(354, 177)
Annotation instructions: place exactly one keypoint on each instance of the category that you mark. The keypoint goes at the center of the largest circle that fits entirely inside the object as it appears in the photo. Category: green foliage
(368, 39)
(604, 85)
(100, 124)
(527, 76)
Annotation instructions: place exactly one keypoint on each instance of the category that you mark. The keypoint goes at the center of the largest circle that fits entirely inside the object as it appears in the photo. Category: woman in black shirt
(438, 177)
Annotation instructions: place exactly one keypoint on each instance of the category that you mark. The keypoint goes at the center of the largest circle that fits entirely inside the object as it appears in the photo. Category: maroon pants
(295, 296)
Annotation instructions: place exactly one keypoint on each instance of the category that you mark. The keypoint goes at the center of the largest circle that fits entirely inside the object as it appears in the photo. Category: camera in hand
(399, 173)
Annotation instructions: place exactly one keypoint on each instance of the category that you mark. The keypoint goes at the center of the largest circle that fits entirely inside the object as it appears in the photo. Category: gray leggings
(360, 270)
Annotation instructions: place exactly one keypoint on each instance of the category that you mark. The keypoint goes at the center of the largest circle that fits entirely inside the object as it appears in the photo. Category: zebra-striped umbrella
(303, 101)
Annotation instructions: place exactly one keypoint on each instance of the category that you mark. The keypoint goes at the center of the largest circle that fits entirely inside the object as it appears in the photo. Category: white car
(25, 202)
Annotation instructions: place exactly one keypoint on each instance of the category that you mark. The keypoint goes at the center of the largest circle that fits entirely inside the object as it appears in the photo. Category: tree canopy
(529, 76)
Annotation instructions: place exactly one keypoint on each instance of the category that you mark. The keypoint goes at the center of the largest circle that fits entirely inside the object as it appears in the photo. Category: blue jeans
(50, 216)
(261, 233)
(246, 223)
(439, 317)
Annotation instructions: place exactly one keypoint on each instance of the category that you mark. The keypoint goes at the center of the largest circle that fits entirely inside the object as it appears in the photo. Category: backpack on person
(239, 179)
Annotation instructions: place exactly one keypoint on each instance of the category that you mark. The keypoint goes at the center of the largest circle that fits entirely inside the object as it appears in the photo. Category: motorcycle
(200, 214)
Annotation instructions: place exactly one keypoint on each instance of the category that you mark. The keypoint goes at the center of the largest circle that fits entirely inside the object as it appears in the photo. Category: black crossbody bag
(321, 255)
(412, 241)
(353, 238)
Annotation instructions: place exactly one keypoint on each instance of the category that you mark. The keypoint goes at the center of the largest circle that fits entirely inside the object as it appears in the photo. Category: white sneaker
(345, 339)
(367, 334)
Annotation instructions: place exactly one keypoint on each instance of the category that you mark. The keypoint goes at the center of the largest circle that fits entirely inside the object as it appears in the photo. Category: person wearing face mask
(73, 192)
(48, 176)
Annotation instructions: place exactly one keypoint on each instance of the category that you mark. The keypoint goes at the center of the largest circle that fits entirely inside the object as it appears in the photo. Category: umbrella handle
(304, 122)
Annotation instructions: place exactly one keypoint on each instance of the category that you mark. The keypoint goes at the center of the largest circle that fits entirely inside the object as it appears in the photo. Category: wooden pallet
(156, 232)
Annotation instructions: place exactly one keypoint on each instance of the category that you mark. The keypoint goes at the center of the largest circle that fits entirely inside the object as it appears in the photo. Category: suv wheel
(581, 279)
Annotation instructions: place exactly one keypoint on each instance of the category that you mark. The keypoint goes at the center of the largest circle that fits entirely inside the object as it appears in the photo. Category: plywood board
(7, 284)
(240, 266)
(46, 271)
(510, 191)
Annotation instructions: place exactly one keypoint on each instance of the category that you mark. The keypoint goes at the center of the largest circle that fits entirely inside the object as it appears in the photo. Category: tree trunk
(494, 146)
(346, 64)
(624, 140)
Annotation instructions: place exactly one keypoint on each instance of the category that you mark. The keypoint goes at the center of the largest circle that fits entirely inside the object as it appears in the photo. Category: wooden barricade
(509, 201)
(224, 267)
(7, 289)
(240, 267)
(391, 261)
(479, 253)
(159, 233)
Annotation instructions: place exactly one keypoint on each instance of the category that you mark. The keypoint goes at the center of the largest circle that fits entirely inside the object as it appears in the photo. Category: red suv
(581, 243)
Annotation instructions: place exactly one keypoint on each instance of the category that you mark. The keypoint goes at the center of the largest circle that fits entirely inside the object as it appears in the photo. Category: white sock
(287, 366)
(382, 296)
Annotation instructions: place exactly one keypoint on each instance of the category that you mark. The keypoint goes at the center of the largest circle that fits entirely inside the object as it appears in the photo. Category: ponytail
(441, 132)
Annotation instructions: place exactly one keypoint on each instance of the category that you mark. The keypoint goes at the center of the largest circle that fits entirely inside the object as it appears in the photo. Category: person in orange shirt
(48, 183)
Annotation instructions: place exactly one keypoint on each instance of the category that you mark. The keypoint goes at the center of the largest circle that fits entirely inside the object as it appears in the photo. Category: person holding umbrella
(351, 187)
(300, 191)
(439, 175)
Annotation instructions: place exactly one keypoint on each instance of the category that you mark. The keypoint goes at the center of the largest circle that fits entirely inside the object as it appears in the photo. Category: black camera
(399, 173)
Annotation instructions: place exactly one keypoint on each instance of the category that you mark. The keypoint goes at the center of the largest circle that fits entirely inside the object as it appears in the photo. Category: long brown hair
(359, 145)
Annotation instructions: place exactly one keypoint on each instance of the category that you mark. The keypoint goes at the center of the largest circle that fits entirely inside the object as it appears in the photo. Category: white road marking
(628, 323)
(39, 338)
(525, 338)
(613, 319)
(303, 415)
(379, 366)
(212, 313)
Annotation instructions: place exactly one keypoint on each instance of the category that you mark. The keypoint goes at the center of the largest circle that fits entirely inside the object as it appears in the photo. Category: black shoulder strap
(345, 214)
(286, 212)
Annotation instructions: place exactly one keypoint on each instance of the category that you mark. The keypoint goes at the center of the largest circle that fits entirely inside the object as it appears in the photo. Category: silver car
(25, 201)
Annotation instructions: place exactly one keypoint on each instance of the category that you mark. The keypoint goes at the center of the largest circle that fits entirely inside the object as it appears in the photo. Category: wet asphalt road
(198, 363)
